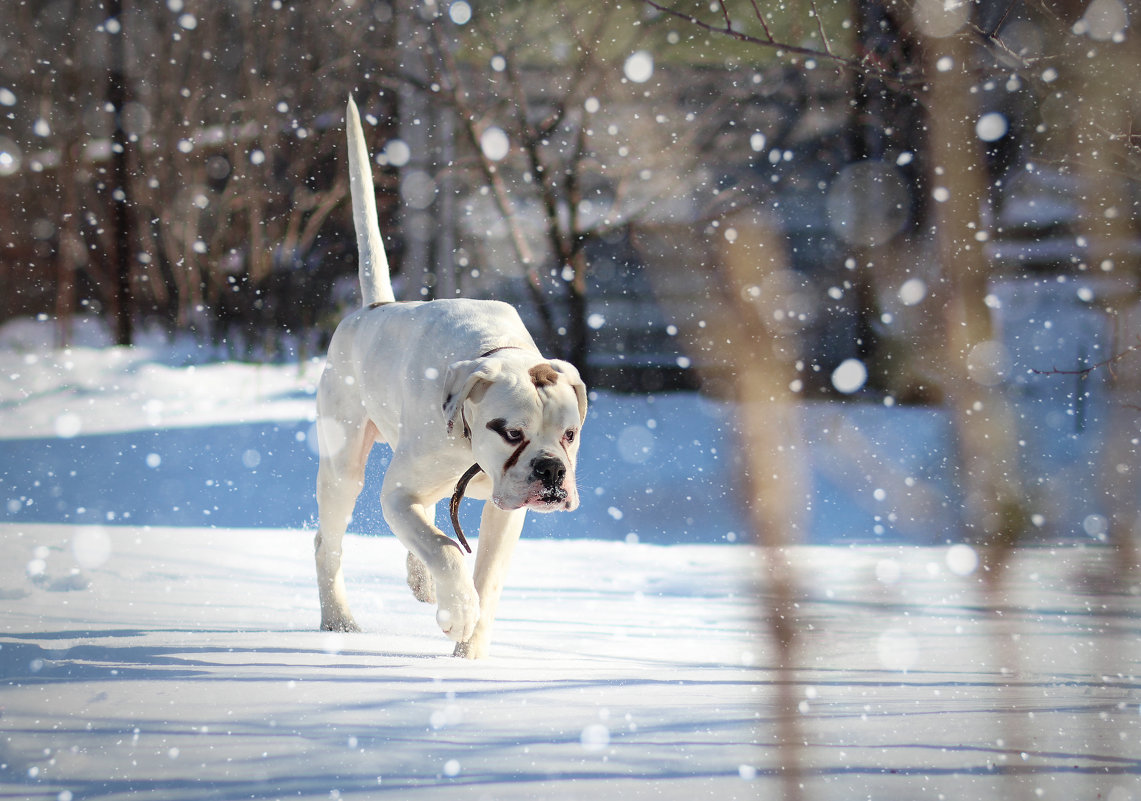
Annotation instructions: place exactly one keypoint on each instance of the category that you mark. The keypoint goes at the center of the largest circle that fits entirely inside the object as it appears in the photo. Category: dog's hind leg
(344, 446)
(498, 533)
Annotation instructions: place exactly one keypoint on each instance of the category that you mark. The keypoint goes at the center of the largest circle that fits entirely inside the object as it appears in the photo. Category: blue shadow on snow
(664, 469)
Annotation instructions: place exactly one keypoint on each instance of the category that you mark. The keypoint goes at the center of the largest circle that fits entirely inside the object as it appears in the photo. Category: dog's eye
(570, 435)
(511, 435)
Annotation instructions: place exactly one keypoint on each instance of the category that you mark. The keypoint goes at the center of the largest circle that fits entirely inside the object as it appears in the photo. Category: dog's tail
(376, 285)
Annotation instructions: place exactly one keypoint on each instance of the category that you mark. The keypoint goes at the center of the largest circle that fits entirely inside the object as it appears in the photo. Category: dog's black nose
(549, 470)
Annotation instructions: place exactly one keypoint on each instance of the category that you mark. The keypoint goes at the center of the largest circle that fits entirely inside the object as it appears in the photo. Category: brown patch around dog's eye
(543, 375)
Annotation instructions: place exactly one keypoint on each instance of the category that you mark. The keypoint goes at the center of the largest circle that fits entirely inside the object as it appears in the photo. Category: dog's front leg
(457, 601)
(498, 533)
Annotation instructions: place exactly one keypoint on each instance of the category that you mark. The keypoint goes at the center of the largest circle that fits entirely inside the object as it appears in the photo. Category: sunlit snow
(184, 656)
(912, 291)
(639, 67)
(495, 143)
(849, 376)
(991, 126)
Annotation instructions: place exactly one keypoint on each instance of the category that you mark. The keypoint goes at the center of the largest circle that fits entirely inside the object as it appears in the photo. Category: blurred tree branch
(1085, 372)
(728, 27)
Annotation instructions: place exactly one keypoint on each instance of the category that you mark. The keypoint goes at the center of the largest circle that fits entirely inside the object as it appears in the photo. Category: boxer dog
(466, 401)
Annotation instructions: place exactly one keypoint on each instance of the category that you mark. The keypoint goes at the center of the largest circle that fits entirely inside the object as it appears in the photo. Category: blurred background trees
(952, 189)
(533, 151)
(231, 173)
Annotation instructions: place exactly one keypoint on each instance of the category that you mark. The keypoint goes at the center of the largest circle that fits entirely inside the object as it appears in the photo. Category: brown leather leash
(454, 506)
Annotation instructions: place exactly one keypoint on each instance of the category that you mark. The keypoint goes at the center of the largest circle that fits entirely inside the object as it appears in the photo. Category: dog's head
(523, 416)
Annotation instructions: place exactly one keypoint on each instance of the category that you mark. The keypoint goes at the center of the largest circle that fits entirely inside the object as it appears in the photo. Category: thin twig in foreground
(1084, 372)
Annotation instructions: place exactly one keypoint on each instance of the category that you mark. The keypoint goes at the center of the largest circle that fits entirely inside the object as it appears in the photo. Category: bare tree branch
(858, 65)
(1085, 372)
(820, 28)
(761, 19)
(458, 95)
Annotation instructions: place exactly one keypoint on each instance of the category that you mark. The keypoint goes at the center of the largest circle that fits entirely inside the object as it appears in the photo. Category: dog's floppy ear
(567, 369)
(461, 379)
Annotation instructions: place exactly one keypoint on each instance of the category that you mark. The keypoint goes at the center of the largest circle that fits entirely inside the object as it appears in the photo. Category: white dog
(460, 392)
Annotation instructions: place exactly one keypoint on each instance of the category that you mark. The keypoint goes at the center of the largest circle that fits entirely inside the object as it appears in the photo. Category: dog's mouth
(550, 499)
(540, 499)
(549, 496)
(552, 495)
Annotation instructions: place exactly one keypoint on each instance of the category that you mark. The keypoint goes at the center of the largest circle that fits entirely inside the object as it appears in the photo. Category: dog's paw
(458, 611)
(344, 624)
(420, 580)
(475, 648)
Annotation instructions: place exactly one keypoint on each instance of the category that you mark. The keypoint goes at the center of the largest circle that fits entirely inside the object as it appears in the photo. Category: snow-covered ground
(158, 607)
(208, 443)
(173, 663)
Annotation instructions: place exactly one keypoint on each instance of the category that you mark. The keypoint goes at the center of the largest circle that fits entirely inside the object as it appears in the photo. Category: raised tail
(376, 285)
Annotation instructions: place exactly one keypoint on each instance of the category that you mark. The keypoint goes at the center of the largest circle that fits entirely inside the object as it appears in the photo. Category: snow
(158, 607)
(185, 665)
(209, 443)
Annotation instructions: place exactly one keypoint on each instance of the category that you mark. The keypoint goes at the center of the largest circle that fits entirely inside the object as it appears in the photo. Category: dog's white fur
(445, 383)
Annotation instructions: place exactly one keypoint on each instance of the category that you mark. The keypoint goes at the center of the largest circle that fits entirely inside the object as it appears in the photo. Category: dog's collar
(485, 354)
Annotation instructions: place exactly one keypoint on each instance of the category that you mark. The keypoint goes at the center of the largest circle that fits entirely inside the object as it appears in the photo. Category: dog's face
(524, 418)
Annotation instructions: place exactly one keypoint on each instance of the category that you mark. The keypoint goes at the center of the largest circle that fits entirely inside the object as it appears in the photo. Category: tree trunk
(995, 504)
(578, 332)
(120, 184)
(776, 480)
(1101, 149)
